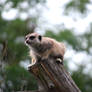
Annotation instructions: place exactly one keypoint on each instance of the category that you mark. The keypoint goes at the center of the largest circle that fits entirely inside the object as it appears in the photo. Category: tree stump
(52, 77)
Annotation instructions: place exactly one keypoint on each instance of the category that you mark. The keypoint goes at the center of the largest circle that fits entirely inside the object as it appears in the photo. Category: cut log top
(52, 77)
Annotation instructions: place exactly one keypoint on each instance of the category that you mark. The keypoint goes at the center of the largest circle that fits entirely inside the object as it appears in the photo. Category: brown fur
(45, 48)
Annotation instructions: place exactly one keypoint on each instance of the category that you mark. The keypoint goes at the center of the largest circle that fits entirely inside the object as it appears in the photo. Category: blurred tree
(82, 80)
(79, 5)
(16, 78)
(12, 48)
(13, 51)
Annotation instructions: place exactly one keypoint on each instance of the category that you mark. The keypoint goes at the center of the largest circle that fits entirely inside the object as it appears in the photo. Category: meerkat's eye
(31, 37)
(40, 37)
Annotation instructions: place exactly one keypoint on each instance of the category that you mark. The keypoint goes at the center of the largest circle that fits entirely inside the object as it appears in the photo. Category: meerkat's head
(33, 39)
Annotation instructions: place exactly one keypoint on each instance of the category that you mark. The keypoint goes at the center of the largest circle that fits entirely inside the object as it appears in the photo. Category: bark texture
(52, 77)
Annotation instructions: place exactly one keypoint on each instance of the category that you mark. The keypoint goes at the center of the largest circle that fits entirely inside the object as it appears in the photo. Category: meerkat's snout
(28, 39)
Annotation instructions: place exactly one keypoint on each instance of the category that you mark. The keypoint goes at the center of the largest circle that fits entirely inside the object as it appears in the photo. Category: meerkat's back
(57, 48)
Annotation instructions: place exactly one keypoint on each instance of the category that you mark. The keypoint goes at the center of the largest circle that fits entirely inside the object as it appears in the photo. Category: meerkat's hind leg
(59, 59)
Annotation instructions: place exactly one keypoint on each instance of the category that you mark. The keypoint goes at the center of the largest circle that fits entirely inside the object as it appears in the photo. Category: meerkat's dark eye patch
(40, 37)
(31, 37)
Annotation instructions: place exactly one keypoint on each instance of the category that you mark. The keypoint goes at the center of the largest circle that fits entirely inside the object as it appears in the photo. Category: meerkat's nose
(32, 37)
(27, 41)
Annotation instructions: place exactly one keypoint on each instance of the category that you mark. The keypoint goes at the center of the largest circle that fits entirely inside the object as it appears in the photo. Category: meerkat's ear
(40, 37)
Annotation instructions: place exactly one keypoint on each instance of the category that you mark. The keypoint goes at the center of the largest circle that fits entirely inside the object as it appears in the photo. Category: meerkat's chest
(43, 54)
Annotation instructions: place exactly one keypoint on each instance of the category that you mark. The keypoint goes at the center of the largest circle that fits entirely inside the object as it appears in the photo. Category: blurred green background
(14, 56)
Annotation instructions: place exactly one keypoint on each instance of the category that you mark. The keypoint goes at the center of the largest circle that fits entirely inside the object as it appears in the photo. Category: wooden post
(52, 77)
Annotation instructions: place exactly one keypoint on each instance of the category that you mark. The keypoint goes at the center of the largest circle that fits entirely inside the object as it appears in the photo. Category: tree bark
(52, 77)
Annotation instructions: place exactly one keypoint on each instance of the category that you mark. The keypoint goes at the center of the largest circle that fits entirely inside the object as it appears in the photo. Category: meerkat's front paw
(32, 63)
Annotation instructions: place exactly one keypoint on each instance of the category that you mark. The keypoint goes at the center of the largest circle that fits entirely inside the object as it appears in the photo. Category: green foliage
(10, 33)
(79, 5)
(13, 50)
(17, 2)
(17, 78)
(88, 36)
(82, 80)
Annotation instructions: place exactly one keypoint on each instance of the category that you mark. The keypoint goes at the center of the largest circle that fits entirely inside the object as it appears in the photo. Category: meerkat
(44, 47)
